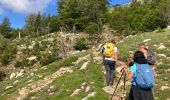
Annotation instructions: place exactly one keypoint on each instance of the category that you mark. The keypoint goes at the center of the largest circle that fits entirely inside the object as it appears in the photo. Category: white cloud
(1, 11)
(24, 6)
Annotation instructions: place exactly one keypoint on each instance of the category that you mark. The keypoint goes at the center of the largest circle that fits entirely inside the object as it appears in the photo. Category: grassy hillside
(159, 42)
(86, 78)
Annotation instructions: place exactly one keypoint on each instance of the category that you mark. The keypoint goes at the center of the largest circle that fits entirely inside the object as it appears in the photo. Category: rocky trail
(86, 87)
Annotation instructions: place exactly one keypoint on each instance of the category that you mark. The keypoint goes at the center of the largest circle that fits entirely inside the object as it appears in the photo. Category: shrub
(81, 45)
(23, 63)
(2, 76)
(46, 59)
(92, 28)
(7, 56)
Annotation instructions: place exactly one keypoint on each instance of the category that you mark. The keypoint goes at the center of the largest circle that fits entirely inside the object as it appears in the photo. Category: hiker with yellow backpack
(110, 59)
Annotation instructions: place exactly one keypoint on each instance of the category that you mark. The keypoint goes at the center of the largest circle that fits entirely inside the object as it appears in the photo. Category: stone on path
(89, 95)
(108, 89)
(164, 88)
(84, 66)
(75, 92)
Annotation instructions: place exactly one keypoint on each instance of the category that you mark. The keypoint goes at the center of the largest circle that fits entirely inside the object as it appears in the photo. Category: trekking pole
(117, 85)
(124, 87)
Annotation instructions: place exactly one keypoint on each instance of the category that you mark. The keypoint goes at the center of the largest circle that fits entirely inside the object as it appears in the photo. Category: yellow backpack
(109, 50)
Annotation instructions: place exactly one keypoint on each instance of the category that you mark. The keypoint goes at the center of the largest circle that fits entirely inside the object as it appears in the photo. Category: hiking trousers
(110, 68)
(140, 94)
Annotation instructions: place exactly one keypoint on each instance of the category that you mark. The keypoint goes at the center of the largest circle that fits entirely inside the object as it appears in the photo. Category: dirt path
(38, 85)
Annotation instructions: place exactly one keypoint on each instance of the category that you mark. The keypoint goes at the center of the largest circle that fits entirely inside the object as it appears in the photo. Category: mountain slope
(84, 78)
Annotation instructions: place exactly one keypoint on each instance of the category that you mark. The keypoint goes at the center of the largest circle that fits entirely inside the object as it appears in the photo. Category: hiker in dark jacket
(136, 92)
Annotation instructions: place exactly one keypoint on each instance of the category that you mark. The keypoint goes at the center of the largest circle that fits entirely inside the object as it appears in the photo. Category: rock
(19, 74)
(35, 70)
(12, 75)
(161, 55)
(108, 89)
(91, 82)
(31, 74)
(50, 39)
(146, 40)
(82, 87)
(88, 88)
(168, 58)
(30, 47)
(75, 92)
(164, 88)
(40, 76)
(89, 95)
(168, 27)
(8, 87)
(73, 52)
(22, 47)
(16, 82)
(84, 84)
(83, 67)
(168, 70)
(51, 87)
(155, 45)
(32, 58)
(97, 58)
(30, 81)
(162, 47)
(160, 63)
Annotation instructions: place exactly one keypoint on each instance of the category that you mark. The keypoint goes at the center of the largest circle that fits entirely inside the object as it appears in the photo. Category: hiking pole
(124, 87)
(117, 85)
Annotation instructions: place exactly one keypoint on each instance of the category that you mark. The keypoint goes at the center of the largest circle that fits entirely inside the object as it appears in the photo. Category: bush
(92, 28)
(46, 59)
(81, 45)
(7, 55)
(22, 64)
(2, 76)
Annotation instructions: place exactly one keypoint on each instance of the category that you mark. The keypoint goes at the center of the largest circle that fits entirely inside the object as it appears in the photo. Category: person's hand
(125, 69)
(118, 63)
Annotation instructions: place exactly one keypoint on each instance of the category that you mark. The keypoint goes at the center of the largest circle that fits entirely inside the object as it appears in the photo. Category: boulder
(12, 75)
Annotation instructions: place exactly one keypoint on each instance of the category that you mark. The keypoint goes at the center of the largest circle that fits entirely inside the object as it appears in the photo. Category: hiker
(109, 53)
(142, 78)
(149, 55)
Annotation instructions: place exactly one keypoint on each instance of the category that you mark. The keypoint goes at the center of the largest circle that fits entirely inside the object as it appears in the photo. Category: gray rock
(8, 87)
(12, 75)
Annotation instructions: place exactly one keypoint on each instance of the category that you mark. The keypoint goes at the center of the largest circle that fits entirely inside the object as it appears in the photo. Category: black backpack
(151, 57)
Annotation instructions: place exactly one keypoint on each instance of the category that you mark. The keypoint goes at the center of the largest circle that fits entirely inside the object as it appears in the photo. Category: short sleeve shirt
(133, 70)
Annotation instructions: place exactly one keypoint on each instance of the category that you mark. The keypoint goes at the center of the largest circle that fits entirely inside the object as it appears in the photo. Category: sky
(17, 10)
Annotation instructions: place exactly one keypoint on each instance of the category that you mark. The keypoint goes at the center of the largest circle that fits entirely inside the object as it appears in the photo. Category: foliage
(23, 63)
(79, 13)
(92, 28)
(137, 18)
(46, 59)
(8, 50)
(5, 28)
(2, 75)
(81, 44)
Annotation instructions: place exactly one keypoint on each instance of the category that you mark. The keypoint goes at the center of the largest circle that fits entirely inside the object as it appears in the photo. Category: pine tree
(5, 28)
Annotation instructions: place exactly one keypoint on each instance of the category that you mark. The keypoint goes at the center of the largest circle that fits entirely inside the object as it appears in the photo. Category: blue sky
(17, 10)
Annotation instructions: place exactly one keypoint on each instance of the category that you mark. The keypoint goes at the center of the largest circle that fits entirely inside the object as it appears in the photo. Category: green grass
(65, 85)
(24, 80)
(131, 44)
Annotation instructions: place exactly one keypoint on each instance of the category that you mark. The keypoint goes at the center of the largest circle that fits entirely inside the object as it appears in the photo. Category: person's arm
(116, 55)
(116, 58)
(129, 74)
